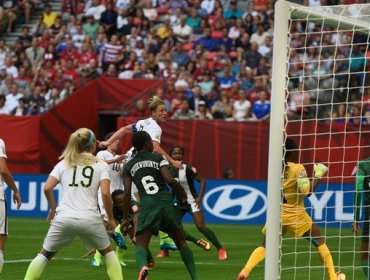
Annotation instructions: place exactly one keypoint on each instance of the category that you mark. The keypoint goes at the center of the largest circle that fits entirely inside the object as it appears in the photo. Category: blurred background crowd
(214, 57)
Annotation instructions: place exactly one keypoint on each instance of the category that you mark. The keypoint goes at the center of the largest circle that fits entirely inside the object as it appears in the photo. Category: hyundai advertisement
(234, 202)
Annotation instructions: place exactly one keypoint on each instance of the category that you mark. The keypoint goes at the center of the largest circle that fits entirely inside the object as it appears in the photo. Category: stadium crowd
(213, 56)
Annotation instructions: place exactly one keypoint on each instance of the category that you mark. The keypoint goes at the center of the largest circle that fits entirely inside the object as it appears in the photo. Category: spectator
(209, 43)
(203, 112)
(207, 85)
(96, 10)
(252, 56)
(339, 114)
(4, 52)
(207, 7)
(70, 53)
(49, 17)
(181, 5)
(109, 20)
(182, 31)
(26, 38)
(90, 27)
(78, 37)
(229, 173)
(9, 15)
(261, 108)
(227, 80)
(180, 56)
(184, 112)
(193, 20)
(222, 109)
(21, 109)
(54, 99)
(12, 98)
(3, 108)
(149, 12)
(233, 11)
(260, 35)
(112, 53)
(241, 107)
(9, 67)
(140, 110)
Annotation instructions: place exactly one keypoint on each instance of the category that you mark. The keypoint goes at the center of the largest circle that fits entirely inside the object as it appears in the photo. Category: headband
(91, 139)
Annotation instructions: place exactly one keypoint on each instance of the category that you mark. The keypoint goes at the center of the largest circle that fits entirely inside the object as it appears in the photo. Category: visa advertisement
(234, 202)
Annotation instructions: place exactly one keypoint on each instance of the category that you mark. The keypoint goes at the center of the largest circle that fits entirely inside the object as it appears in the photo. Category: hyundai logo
(235, 202)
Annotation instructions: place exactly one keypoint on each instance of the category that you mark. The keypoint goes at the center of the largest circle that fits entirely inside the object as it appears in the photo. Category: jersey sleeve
(101, 155)
(163, 162)
(105, 173)
(57, 171)
(2, 149)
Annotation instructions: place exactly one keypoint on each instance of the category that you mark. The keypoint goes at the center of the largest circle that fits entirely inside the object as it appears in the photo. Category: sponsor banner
(234, 202)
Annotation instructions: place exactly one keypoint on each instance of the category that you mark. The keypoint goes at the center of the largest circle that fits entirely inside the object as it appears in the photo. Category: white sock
(1, 260)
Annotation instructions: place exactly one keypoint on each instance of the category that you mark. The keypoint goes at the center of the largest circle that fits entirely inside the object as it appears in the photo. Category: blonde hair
(154, 102)
(78, 150)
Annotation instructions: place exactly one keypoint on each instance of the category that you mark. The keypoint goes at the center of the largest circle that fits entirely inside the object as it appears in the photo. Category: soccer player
(5, 178)
(295, 220)
(80, 174)
(149, 171)
(116, 163)
(193, 205)
(151, 125)
(362, 195)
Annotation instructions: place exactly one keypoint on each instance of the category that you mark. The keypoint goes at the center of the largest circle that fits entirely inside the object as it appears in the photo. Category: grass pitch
(300, 260)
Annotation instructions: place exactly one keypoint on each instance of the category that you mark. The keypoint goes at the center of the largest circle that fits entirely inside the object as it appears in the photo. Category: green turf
(26, 236)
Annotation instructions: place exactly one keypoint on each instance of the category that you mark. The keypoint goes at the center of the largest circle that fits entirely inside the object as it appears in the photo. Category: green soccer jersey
(144, 169)
(362, 187)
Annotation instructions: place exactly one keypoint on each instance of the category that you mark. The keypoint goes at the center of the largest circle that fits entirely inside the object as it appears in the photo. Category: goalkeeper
(295, 220)
(362, 196)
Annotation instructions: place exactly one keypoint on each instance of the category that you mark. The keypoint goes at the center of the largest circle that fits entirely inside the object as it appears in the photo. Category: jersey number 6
(149, 185)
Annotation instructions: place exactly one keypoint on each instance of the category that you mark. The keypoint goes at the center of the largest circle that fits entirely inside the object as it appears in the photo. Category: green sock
(190, 238)
(149, 254)
(211, 236)
(188, 259)
(365, 268)
(113, 267)
(36, 267)
(141, 256)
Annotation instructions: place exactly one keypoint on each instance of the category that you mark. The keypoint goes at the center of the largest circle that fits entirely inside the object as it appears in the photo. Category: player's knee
(48, 255)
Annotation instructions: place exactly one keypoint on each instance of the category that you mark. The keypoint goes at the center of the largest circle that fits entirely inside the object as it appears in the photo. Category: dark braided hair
(139, 139)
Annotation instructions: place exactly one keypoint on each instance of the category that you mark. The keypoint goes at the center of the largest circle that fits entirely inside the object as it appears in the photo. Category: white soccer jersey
(2, 183)
(80, 186)
(151, 126)
(115, 170)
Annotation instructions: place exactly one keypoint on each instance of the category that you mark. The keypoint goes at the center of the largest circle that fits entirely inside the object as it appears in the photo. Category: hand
(355, 227)
(102, 144)
(320, 170)
(51, 215)
(124, 227)
(111, 225)
(121, 158)
(176, 163)
(242, 275)
(17, 199)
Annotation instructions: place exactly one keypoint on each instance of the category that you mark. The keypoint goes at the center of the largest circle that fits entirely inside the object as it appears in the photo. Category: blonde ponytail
(79, 148)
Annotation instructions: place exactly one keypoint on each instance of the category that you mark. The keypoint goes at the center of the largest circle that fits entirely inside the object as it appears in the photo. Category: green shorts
(159, 218)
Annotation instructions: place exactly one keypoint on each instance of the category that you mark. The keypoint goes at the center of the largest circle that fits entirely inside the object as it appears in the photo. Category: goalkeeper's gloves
(320, 170)
(303, 185)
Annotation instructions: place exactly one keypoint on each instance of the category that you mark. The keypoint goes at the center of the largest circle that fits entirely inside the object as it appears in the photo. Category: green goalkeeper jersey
(362, 195)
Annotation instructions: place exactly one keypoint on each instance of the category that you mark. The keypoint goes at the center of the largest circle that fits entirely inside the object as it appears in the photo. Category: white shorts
(63, 230)
(3, 217)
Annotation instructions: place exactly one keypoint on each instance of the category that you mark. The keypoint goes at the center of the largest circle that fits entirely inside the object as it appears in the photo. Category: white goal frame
(284, 11)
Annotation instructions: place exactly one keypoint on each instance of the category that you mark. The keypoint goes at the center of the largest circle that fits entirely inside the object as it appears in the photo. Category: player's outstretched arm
(319, 171)
(8, 179)
(116, 136)
(158, 149)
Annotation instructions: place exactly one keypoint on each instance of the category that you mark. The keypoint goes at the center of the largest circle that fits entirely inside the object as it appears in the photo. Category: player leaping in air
(294, 218)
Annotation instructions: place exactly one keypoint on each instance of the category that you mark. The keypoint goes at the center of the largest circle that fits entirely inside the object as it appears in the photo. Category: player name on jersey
(143, 164)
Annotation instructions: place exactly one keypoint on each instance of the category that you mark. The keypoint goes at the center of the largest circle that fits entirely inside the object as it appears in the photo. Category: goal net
(321, 100)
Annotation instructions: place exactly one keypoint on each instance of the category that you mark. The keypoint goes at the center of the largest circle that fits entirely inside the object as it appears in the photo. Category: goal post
(321, 59)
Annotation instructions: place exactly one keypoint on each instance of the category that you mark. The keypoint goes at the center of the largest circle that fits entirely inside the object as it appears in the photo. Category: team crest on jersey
(302, 174)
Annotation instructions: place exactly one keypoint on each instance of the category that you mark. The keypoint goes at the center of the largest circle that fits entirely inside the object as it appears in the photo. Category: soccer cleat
(340, 276)
(96, 262)
(118, 239)
(204, 244)
(222, 255)
(143, 275)
(168, 246)
(163, 254)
